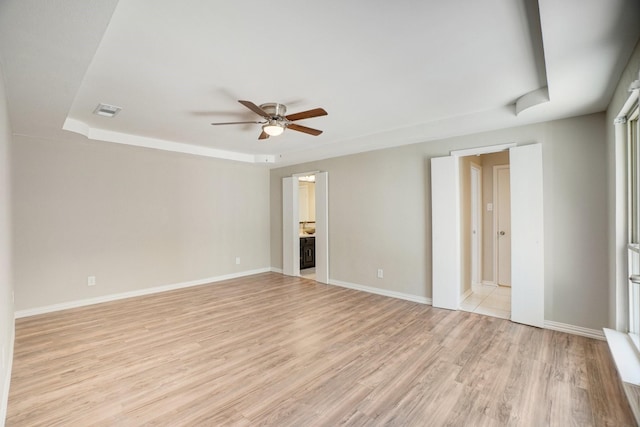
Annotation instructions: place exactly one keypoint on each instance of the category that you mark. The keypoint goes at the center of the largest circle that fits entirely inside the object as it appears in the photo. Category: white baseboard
(7, 380)
(275, 270)
(489, 283)
(136, 293)
(384, 292)
(575, 330)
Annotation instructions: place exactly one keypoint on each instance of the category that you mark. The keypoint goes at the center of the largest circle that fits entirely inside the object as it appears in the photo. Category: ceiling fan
(276, 121)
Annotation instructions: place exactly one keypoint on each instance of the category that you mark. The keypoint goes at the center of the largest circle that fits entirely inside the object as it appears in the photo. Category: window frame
(633, 220)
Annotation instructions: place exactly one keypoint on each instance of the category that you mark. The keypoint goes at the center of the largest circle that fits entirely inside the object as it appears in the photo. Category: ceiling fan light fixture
(273, 128)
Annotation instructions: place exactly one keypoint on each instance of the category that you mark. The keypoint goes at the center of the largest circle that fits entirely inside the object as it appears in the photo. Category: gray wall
(380, 202)
(6, 286)
(135, 218)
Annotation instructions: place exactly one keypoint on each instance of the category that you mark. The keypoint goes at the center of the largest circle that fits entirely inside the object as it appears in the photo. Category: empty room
(340, 213)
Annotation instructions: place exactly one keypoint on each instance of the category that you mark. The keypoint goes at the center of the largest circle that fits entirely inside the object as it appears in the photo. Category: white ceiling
(388, 73)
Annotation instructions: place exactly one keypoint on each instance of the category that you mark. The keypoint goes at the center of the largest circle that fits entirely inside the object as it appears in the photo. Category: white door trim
(482, 150)
(494, 231)
(290, 227)
(322, 227)
(478, 211)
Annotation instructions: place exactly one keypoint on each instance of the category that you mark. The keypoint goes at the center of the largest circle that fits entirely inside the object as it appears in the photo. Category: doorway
(527, 230)
(291, 225)
(484, 183)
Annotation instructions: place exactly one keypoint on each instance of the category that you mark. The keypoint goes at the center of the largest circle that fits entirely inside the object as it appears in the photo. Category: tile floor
(308, 273)
(489, 300)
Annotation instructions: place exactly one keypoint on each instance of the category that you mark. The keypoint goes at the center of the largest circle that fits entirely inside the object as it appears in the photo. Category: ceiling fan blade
(316, 112)
(299, 128)
(253, 107)
(263, 135)
(236, 123)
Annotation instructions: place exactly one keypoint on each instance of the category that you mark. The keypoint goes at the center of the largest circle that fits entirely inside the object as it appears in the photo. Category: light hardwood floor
(276, 350)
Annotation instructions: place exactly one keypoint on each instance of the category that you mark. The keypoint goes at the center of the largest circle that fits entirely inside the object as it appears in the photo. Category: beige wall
(464, 164)
(377, 213)
(135, 218)
(575, 221)
(307, 202)
(6, 284)
(380, 203)
(465, 220)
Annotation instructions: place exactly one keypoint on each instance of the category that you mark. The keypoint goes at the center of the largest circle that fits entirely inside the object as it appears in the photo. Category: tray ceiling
(388, 73)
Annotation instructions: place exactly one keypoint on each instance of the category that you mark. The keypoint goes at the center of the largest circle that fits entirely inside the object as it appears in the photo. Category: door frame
(477, 253)
(496, 213)
(291, 225)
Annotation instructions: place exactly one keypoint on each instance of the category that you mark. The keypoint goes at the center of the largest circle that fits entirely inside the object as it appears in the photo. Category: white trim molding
(136, 293)
(7, 380)
(575, 330)
(383, 292)
(482, 150)
(96, 134)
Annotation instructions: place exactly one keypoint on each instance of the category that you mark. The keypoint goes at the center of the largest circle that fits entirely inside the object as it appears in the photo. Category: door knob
(502, 233)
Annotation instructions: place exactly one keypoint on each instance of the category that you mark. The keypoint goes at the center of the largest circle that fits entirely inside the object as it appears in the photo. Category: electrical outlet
(380, 273)
(237, 260)
(91, 281)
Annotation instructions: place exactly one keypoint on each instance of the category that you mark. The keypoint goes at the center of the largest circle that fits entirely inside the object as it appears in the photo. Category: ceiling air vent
(106, 110)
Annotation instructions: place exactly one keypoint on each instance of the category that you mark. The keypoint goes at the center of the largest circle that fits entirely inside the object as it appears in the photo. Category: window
(633, 221)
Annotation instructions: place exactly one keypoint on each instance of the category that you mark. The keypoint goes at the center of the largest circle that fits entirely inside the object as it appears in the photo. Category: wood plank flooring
(276, 350)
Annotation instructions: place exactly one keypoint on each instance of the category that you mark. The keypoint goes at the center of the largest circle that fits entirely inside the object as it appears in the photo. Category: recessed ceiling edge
(96, 134)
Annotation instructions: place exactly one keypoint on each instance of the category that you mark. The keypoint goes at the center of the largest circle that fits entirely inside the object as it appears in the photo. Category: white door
(502, 212)
(445, 232)
(527, 235)
(290, 227)
(322, 227)
(476, 221)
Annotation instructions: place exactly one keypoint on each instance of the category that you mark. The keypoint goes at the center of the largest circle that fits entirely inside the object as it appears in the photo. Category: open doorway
(485, 230)
(294, 234)
(527, 230)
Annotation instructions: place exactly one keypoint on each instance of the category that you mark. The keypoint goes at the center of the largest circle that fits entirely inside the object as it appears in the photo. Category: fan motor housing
(274, 109)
